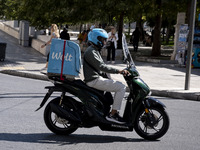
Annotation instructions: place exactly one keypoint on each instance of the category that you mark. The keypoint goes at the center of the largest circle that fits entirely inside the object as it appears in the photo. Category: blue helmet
(96, 36)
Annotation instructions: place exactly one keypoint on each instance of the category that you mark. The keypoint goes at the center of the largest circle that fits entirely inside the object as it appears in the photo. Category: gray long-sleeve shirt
(93, 57)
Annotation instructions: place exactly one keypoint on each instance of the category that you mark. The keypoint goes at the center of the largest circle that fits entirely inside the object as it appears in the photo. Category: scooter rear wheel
(57, 124)
(155, 128)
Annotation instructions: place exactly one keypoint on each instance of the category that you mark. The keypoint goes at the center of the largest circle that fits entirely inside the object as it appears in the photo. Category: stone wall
(12, 23)
(36, 44)
(9, 30)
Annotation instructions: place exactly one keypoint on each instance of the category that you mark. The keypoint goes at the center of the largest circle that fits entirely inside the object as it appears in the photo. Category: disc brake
(149, 120)
(61, 120)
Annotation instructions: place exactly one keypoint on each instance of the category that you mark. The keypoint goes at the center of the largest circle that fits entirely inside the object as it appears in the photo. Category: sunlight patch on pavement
(12, 68)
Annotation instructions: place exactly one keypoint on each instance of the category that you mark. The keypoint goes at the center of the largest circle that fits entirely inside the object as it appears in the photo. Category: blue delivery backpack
(68, 64)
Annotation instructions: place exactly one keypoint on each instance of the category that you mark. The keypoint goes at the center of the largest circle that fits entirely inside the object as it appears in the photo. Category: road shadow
(49, 138)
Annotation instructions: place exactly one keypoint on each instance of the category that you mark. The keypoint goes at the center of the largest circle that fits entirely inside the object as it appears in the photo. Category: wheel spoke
(151, 111)
(156, 129)
(160, 118)
(140, 119)
(65, 125)
(54, 121)
(145, 129)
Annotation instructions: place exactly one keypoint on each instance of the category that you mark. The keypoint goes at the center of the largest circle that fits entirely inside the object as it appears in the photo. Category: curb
(158, 61)
(24, 74)
(195, 96)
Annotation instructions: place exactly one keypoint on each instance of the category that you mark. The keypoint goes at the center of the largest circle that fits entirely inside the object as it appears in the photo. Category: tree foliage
(42, 13)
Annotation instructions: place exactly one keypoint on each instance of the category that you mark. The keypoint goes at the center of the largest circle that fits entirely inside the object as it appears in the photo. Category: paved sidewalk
(163, 76)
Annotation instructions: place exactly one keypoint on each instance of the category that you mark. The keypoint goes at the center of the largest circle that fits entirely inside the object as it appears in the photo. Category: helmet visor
(102, 40)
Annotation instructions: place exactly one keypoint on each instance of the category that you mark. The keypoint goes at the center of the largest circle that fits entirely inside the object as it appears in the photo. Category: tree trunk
(188, 13)
(163, 34)
(120, 30)
(129, 28)
(168, 34)
(156, 50)
(80, 29)
(140, 25)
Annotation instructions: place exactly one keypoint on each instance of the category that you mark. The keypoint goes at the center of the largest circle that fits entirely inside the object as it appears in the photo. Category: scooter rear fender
(48, 94)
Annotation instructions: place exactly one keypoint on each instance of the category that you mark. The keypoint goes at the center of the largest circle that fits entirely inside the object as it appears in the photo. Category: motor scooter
(83, 106)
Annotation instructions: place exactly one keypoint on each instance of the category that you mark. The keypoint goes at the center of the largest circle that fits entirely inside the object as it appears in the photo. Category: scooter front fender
(150, 102)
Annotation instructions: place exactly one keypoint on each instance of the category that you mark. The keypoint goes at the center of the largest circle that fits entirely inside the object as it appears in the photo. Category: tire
(154, 130)
(57, 124)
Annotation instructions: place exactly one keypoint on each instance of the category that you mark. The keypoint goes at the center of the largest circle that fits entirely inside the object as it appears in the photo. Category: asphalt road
(21, 128)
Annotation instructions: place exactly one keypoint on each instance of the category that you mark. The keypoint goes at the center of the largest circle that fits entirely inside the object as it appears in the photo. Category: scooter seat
(105, 98)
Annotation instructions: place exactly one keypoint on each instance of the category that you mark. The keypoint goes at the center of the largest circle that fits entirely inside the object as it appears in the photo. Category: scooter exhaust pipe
(64, 113)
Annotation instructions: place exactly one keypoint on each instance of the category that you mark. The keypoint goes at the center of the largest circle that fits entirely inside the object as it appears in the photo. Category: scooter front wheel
(152, 125)
(57, 124)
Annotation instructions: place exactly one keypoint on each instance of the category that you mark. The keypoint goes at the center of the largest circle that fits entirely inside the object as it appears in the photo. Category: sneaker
(113, 62)
(115, 118)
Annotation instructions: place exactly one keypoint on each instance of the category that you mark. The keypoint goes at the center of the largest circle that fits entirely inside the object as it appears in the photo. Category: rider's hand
(43, 46)
(124, 72)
